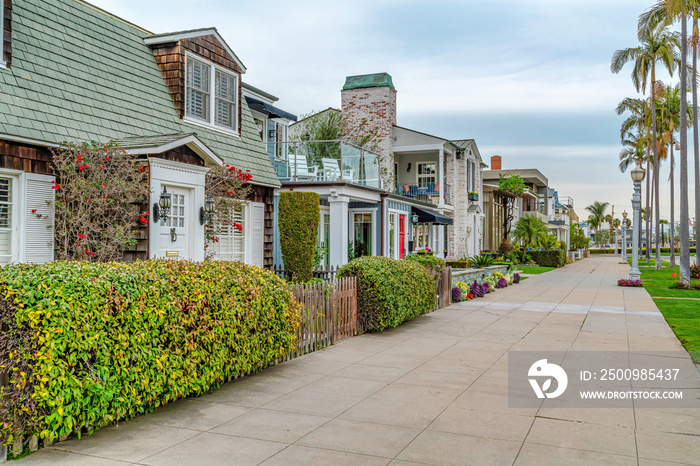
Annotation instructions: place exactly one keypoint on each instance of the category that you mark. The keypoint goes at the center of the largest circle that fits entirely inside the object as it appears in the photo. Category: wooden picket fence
(329, 313)
(324, 274)
(444, 289)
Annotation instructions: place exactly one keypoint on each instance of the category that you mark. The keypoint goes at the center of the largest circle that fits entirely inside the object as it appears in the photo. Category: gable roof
(81, 74)
(161, 143)
(167, 37)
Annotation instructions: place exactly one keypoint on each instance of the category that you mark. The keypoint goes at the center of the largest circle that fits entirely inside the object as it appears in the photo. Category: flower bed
(466, 292)
(625, 282)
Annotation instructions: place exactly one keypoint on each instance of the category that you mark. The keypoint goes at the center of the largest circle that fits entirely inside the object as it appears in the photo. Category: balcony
(559, 219)
(429, 193)
(537, 214)
(326, 161)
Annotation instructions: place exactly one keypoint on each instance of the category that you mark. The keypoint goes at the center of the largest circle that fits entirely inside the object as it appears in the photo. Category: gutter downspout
(383, 217)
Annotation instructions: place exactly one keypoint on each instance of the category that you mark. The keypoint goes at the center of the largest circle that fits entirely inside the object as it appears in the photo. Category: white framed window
(426, 174)
(211, 95)
(362, 233)
(7, 209)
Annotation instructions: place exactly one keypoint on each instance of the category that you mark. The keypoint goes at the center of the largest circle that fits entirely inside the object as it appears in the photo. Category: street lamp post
(637, 177)
(624, 235)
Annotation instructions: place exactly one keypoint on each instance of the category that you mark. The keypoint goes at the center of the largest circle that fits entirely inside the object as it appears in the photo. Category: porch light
(272, 134)
(206, 213)
(414, 218)
(162, 208)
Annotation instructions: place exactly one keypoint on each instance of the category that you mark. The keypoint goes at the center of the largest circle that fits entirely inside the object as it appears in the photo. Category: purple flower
(486, 287)
(516, 278)
(456, 294)
(502, 283)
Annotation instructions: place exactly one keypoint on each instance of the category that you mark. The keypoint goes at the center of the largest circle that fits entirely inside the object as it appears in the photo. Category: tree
(658, 44)
(663, 237)
(529, 231)
(513, 187)
(597, 211)
(549, 242)
(577, 238)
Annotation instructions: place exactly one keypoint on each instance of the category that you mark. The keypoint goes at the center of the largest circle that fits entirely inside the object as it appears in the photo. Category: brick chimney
(368, 103)
(495, 162)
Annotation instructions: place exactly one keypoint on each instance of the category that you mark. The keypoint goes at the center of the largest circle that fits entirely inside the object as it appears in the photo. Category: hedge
(433, 264)
(389, 291)
(89, 344)
(458, 264)
(664, 251)
(549, 258)
(298, 215)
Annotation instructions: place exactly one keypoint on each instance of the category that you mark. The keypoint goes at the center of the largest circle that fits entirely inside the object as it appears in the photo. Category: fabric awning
(268, 109)
(431, 216)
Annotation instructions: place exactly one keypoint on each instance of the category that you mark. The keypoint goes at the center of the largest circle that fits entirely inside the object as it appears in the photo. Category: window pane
(5, 216)
(197, 89)
(5, 190)
(225, 92)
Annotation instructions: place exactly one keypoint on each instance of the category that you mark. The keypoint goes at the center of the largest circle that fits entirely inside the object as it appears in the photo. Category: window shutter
(38, 244)
(257, 233)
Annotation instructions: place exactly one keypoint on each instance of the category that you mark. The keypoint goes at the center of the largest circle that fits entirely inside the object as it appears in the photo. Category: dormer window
(216, 107)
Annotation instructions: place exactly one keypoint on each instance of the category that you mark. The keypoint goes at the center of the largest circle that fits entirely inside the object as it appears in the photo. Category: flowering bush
(89, 344)
(502, 283)
(98, 193)
(625, 282)
(478, 290)
(516, 278)
(695, 271)
(498, 275)
(491, 282)
(509, 279)
(229, 188)
(456, 294)
(681, 286)
(464, 288)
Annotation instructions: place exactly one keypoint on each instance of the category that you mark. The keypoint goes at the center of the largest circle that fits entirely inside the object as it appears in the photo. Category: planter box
(473, 196)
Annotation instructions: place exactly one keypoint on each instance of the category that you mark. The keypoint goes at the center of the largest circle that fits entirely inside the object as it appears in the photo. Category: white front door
(175, 233)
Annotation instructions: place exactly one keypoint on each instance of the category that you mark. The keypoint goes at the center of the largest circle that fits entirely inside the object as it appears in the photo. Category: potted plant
(473, 196)
(425, 252)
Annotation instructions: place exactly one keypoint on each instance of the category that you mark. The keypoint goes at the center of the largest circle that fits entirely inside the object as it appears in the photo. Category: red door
(402, 235)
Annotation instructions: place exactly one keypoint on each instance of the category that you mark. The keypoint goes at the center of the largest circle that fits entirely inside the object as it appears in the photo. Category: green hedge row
(458, 264)
(550, 258)
(664, 251)
(389, 291)
(89, 344)
(433, 264)
(298, 216)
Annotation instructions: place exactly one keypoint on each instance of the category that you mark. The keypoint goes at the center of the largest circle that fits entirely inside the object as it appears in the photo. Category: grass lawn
(682, 315)
(534, 270)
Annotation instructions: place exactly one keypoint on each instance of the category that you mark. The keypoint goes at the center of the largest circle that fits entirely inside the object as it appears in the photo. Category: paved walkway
(431, 391)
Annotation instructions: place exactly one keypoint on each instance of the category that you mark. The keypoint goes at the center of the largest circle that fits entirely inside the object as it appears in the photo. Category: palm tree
(666, 11)
(663, 237)
(597, 210)
(529, 231)
(549, 242)
(657, 45)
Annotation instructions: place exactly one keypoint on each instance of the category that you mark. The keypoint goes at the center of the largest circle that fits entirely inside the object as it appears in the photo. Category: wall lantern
(206, 213)
(161, 209)
(414, 218)
(272, 134)
(459, 154)
(409, 167)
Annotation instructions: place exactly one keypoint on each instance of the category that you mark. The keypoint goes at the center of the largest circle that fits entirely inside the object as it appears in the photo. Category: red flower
(79, 157)
(107, 158)
(81, 236)
(33, 211)
(104, 184)
(81, 168)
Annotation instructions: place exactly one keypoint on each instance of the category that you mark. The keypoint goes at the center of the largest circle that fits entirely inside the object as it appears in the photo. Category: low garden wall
(480, 275)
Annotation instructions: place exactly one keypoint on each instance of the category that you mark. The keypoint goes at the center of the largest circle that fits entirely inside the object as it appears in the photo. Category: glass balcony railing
(429, 193)
(326, 161)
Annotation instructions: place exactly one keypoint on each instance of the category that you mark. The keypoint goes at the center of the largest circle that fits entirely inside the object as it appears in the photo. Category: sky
(529, 80)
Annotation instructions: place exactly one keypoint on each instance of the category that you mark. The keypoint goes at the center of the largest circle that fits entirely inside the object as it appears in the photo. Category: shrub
(433, 264)
(457, 264)
(389, 292)
(97, 195)
(695, 271)
(89, 344)
(481, 261)
(505, 248)
(683, 286)
(299, 215)
(551, 258)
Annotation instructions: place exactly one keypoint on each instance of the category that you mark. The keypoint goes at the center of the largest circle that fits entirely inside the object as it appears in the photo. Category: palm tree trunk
(672, 230)
(685, 232)
(696, 143)
(647, 225)
(656, 166)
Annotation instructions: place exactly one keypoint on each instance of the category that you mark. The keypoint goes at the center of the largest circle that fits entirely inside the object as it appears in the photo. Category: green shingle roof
(80, 74)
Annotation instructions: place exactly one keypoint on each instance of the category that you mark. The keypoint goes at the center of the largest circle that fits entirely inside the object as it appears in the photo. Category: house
(73, 72)
(538, 200)
(404, 192)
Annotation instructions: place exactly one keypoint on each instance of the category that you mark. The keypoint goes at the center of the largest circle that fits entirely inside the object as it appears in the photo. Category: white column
(441, 175)
(441, 241)
(338, 253)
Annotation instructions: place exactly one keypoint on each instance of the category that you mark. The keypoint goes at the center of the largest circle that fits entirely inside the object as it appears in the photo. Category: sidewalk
(432, 391)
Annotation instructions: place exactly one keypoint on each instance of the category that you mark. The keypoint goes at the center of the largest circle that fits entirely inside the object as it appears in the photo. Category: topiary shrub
(389, 291)
(458, 264)
(435, 265)
(298, 214)
(90, 344)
